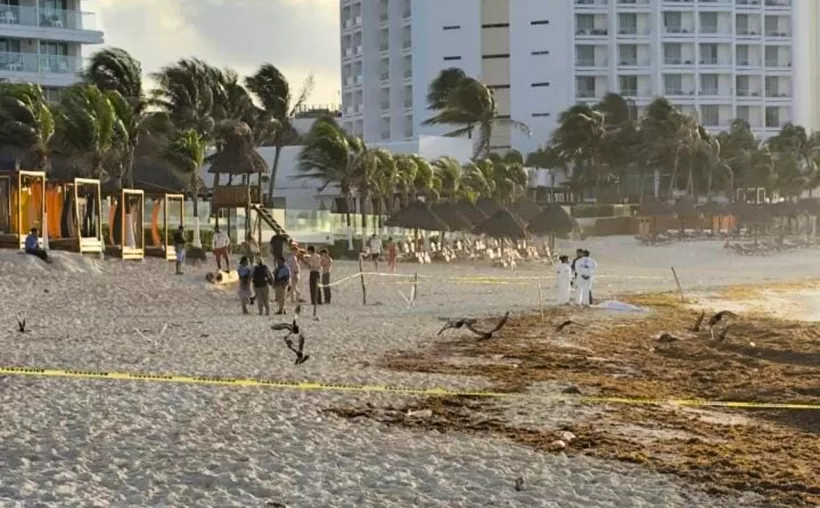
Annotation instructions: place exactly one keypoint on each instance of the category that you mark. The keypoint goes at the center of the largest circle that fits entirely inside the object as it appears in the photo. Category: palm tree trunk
(709, 185)
(197, 243)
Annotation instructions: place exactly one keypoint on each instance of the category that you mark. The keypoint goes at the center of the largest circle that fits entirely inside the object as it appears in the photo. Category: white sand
(89, 443)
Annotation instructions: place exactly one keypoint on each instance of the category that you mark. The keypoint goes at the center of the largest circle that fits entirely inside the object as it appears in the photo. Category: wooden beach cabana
(22, 205)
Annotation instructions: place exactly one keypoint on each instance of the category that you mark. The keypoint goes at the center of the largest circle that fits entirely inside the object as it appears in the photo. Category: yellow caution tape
(432, 392)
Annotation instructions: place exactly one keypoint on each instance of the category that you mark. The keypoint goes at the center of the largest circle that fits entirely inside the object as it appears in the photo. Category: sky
(300, 37)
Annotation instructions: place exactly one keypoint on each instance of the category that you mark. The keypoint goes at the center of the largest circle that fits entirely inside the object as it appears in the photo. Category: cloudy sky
(300, 37)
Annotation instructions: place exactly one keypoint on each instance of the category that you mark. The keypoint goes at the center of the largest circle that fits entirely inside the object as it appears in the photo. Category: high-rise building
(41, 42)
(717, 59)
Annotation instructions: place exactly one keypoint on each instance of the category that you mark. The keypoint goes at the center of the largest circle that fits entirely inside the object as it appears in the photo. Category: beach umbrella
(471, 212)
(810, 206)
(525, 209)
(553, 220)
(417, 215)
(655, 208)
(503, 224)
(685, 209)
(783, 209)
(449, 213)
(712, 210)
(489, 206)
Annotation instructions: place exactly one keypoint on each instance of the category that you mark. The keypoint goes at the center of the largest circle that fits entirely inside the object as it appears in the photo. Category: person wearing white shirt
(221, 242)
(563, 277)
(375, 249)
(585, 268)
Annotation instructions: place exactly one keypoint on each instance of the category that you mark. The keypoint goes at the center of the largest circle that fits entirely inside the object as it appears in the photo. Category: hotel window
(673, 84)
(628, 85)
(742, 54)
(709, 84)
(710, 115)
(772, 116)
(744, 113)
(673, 54)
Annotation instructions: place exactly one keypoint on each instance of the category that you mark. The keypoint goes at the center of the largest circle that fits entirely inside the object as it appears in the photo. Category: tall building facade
(717, 59)
(41, 41)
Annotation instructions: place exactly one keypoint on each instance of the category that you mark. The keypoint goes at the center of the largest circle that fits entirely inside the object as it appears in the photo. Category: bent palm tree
(26, 121)
(185, 154)
(472, 105)
(272, 89)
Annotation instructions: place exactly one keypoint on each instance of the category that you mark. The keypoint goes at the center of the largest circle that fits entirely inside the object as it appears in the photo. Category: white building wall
(718, 60)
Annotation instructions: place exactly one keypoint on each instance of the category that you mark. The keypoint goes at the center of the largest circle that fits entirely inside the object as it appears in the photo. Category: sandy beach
(83, 443)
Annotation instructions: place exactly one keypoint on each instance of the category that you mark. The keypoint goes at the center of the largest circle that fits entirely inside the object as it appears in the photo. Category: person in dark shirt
(277, 245)
(262, 279)
(244, 293)
(179, 248)
(32, 246)
(281, 281)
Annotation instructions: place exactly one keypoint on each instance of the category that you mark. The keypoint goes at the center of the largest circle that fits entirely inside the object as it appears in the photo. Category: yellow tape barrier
(432, 392)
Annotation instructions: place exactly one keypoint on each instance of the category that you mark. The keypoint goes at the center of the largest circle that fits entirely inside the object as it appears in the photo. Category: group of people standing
(579, 274)
(285, 278)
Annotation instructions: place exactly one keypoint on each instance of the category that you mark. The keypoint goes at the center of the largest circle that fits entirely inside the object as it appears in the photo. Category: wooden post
(540, 298)
(415, 289)
(361, 274)
(677, 281)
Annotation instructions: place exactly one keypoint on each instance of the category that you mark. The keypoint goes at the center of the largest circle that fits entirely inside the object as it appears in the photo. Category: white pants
(584, 290)
(564, 292)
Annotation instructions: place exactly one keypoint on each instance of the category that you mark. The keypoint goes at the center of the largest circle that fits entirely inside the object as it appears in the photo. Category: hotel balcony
(49, 24)
(49, 70)
(591, 5)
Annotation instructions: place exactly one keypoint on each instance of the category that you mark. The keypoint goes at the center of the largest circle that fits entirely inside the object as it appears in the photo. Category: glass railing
(55, 18)
(43, 64)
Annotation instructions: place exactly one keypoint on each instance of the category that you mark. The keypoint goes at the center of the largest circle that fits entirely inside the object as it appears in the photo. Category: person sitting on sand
(32, 246)
(281, 280)
(326, 264)
(221, 243)
(262, 279)
(179, 248)
(563, 278)
(244, 292)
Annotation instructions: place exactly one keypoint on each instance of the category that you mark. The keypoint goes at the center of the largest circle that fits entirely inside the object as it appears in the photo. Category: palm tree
(449, 172)
(26, 121)
(509, 177)
(333, 157)
(427, 184)
(87, 126)
(116, 72)
(794, 140)
(406, 171)
(621, 140)
(578, 139)
(548, 158)
(438, 93)
(186, 154)
(667, 134)
(272, 89)
(386, 180)
(472, 105)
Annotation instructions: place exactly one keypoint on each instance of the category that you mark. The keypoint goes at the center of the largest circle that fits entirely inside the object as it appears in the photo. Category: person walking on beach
(262, 279)
(585, 268)
(244, 292)
(221, 243)
(392, 254)
(295, 271)
(315, 267)
(179, 248)
(327, 265)
(277, 245)
(594, 269)
(281, 280)
(375, 250)
(249, 247)
(563, 273)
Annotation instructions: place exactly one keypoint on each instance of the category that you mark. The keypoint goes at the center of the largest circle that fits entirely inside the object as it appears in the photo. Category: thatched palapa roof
(239, 155)
(713, 209)
(503, 224)
(746, 212)
(810, 206)
(471, 212)
(418, 215)
(783, 209)
(525, 209)
(448, 212)
(553, 220)
(685, 209)
(489, 206)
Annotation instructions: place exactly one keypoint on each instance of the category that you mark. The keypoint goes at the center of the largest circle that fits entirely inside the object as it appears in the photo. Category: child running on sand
(392, 254)
(244, 293)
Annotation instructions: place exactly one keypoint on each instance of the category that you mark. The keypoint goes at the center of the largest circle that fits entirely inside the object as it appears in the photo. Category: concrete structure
(717, 59)
(41, 42)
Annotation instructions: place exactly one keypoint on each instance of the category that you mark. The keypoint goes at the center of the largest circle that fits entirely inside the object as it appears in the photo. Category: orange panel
(155, 237)
(112, 213)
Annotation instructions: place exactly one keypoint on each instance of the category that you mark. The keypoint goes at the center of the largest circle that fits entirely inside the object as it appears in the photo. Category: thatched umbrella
(553, 220)
(712, 210)
(417, 215)
(754, 215)
(489, 206)
(450, 214)
(810, 207)
(783, 209)
(525, 209)
(685, 209)
(471, 212)
(503, 224)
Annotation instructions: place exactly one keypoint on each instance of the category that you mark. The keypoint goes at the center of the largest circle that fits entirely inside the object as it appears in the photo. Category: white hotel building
(41, 42)
(717, 59)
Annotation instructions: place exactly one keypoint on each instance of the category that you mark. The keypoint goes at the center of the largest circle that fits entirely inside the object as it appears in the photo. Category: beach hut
(471, 212)
(525, 209)
(488, 206)
(716, 212)
(754, 216)
(450, 214)
(684, 209)
(552, 221)
(239, 158)
(417, 215)
(22, 206)
(649, 212)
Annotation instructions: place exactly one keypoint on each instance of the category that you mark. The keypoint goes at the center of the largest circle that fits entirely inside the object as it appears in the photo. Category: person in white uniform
(563, 277)
(585, 267)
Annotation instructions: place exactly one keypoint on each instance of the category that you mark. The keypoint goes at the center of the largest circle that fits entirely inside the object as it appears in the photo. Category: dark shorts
(375, 257)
